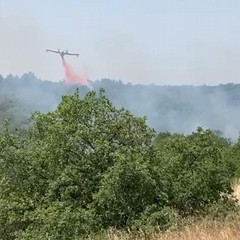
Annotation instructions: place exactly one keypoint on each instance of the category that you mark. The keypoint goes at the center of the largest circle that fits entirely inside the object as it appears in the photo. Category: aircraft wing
(49, 50)
(72, 54)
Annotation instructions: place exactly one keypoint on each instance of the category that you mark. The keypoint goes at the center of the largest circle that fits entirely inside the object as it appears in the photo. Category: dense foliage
(88, 166)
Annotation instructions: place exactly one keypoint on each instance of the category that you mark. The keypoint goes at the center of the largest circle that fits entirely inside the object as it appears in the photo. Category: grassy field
(201, 231)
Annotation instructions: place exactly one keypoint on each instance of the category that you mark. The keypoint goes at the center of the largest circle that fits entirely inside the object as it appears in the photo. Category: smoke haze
(178, 109)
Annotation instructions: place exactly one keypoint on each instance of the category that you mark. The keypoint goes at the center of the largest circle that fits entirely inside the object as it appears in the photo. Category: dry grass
(236, 188)
(201, 231)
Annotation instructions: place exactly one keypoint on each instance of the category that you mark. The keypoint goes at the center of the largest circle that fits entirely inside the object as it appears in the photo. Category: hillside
(168, 108)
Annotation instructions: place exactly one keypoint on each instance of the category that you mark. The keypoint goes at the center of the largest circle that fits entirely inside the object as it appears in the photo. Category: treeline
(89, 166)
(168, 108)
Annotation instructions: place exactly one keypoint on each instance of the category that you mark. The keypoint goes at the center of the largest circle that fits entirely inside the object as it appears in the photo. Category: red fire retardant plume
(71, 77)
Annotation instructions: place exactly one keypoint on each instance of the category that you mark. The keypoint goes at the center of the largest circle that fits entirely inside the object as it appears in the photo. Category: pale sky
(169, 42)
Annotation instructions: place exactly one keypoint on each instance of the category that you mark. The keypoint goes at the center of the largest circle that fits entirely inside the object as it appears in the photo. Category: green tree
(15, 197)
(127, 190)
(195, 169)
(234, 156)
(88, 166)
(62, 163)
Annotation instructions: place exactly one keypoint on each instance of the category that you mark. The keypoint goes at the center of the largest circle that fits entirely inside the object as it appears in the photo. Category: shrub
(195, 171)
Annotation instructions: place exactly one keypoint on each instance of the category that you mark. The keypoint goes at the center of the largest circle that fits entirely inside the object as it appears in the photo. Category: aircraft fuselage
(62, 53)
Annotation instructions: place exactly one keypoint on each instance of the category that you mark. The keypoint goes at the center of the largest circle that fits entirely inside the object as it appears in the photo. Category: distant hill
(168, 108)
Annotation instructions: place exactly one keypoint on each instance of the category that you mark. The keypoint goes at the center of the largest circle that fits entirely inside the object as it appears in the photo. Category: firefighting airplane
(62, 53)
